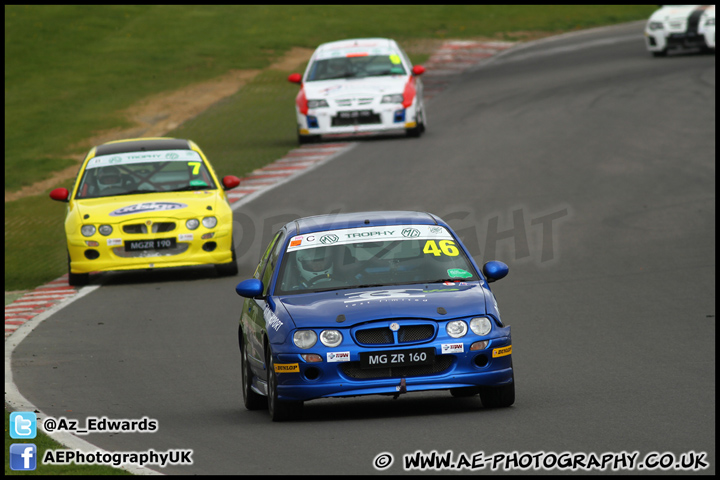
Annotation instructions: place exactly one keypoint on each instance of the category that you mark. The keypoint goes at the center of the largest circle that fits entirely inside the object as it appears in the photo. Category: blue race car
(371, 303)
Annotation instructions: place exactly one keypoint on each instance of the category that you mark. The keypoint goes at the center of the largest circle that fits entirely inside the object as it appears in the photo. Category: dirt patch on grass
(159, 114)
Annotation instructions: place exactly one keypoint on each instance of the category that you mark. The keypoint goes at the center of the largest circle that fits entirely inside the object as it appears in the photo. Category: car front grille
(375, 336)
(349, 102)
(384, 336)
(355, 371)
(162, 227)
(159, 227)
(415, 333)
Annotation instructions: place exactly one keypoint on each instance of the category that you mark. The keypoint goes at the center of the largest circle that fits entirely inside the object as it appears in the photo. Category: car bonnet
(128, 207)
(673, 12)
(388, 85)
(343, 308)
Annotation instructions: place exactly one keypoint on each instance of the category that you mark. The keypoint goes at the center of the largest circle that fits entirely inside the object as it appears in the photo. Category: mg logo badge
(326, 239)
(410, 232)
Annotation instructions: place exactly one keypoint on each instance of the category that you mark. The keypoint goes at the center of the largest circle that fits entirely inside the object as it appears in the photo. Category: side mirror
(495, 270)
(230, 181)
(250, 288)
(60, 194)
(418, 70)
(295, 78)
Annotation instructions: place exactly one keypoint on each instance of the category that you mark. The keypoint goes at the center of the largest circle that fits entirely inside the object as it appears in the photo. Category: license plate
(397, 358)
(154, 244)
(357, 114)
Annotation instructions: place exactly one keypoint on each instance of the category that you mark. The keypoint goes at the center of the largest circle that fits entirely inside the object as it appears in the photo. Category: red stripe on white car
(409, 92)
(301, 101)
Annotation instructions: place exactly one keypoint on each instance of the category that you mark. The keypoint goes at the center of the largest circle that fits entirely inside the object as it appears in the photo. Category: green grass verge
(70, 69)
(43, 443)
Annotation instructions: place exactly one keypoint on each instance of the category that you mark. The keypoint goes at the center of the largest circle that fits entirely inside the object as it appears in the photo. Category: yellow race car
(147, 203)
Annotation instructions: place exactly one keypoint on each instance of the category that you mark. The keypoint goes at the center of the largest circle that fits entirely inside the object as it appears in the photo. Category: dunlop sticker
(287, 368)
(502, 351)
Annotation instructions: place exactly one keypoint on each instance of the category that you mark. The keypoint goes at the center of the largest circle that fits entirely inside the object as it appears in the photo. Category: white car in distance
(675, 27)
(359, 86)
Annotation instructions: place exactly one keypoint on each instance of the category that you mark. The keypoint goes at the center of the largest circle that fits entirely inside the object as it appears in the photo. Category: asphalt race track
(582, 162)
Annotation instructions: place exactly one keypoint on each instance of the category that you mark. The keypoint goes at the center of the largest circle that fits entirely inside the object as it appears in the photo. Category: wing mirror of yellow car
(230, 181)
(295, 78)
(60, 194)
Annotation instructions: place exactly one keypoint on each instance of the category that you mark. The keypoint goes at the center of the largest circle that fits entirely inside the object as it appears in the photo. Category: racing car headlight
(397, 98)
(317, 103)
(209, 222)
(105, 230)
(304, 338)
(331, 338)
(456, 328)
(480, 325)
(88, 230)
(192, 224)
(655, 26)
(710, 22)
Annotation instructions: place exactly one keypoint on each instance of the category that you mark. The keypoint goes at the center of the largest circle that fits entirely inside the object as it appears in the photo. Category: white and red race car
(359, 86)
(680, 26)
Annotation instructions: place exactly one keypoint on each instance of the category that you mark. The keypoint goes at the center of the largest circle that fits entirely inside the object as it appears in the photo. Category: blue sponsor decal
(147, 207)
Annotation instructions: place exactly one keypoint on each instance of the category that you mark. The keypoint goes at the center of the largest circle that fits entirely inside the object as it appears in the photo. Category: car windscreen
(355, 65)
(372, 256)
(144, 172)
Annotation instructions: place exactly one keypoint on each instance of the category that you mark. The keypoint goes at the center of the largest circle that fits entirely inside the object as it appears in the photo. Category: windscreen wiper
(349, 287)
(189, 188)
(444, 280)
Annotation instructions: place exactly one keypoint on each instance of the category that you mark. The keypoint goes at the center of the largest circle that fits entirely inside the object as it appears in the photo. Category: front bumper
(660, 40)
(191, 249)
(468, 369)
(386, 118)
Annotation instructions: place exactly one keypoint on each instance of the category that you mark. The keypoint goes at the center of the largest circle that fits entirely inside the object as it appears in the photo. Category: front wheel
(228, 269)
(77, 279)
(419, 128)
(498, 397)
(305, 139)
(279, 410)
(464, 392)
(251, 399)
(661, 53)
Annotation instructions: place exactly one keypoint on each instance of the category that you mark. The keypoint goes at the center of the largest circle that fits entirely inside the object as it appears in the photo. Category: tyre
(305, 139)
(464, 392)
(279, 410)
(498, 397)
(418, 130)
(251, 399)
(77, 279)
(228, 269)
(661, 53)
